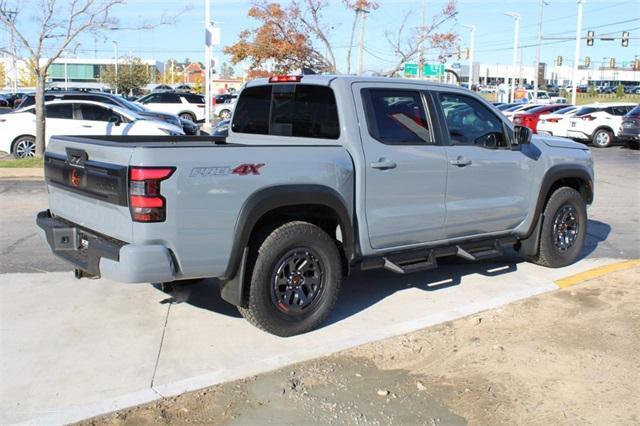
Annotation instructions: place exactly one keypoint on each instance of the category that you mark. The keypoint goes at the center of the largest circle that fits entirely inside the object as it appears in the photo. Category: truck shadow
(364, 289)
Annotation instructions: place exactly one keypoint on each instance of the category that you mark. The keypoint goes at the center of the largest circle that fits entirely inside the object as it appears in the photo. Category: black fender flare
(529, 242)
(261, 203)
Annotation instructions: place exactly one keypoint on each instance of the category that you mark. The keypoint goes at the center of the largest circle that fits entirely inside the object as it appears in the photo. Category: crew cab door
(405, 169)
(488, 183)
(60, 120)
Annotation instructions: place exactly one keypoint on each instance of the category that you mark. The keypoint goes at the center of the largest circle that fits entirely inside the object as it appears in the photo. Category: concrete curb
(22, 173)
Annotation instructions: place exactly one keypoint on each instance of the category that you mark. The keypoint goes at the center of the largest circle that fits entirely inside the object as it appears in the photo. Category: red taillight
(145, 202)
(553, 120)
(285, 79)
(587, 117)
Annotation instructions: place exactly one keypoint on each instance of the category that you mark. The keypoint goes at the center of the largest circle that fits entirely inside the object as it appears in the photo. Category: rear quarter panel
(204, 196)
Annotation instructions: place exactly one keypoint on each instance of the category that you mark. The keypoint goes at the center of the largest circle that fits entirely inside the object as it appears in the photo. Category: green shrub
(591, 91)
(620, 91)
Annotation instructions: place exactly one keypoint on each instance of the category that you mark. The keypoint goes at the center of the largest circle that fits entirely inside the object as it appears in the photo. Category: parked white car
(511, 112)
(223, 111)
(188, 106)
(556, 123)
(78, 118)
(598, 122)
(542, 98)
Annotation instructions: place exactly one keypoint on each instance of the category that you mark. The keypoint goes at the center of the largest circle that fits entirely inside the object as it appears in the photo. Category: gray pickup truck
(319, 176)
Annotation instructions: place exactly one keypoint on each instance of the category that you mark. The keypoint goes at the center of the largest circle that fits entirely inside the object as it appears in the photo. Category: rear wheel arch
(267, 209)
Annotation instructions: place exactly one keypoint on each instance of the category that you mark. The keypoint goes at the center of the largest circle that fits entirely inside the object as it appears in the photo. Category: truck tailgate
(87, 185)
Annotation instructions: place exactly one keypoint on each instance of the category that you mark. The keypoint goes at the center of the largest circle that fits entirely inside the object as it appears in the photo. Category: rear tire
(225, 114)
(295, 280)
(602, 138)
(563, 230)
(24, 147)
(187, 116)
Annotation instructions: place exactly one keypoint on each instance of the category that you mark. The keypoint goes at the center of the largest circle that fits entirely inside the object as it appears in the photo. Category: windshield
(130, 105)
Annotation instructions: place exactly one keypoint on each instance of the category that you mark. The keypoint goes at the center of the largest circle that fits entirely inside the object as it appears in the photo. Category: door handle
(383, 164)
(87, 126)
(460, 162)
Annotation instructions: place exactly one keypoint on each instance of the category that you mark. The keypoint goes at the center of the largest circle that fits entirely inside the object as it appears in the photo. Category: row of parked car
(100, 113)
(600, 123)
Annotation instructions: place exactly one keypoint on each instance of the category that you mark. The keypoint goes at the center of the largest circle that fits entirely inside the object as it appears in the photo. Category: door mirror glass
(522, 135)
(115, 119)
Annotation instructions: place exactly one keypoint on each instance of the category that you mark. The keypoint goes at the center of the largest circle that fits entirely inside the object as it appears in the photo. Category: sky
(494, 30)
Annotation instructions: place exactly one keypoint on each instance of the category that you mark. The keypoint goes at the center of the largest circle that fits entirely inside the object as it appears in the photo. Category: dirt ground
(567, 357)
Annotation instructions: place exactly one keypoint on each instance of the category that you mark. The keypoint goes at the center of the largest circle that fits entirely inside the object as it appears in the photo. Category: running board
(425, 259)
(405, 265)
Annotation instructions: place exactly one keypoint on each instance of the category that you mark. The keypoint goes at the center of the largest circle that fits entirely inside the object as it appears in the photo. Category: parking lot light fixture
(516, 29)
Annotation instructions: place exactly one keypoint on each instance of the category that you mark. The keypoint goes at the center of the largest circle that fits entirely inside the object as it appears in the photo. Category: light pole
(472, 41)
(207, 60)
(536, 82)
(576, 55)
(421, 44)
(115, 56)
(516, 18)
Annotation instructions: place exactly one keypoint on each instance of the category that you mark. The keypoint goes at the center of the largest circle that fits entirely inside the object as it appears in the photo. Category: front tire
(563, 230)
(295, 280)
(24, 147)
(602, 138)
(225, 114)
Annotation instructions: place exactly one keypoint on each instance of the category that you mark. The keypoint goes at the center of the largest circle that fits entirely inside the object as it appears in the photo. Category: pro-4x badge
(248, 169)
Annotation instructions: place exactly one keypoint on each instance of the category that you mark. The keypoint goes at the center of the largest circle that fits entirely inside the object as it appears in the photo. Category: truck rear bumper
(102, 256)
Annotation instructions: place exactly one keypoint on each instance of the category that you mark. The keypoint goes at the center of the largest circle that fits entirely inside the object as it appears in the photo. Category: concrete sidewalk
(73, 349)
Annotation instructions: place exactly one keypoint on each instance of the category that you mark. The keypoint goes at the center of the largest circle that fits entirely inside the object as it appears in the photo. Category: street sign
(433, 70)
(410, 70)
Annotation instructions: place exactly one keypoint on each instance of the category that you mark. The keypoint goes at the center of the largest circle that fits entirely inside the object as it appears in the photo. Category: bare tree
(406, 46)
(59, 24)
(313, 22)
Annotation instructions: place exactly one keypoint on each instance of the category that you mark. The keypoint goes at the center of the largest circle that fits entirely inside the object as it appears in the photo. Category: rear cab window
(289, 110)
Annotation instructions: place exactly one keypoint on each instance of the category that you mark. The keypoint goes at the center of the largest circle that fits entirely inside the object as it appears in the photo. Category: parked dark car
(629, 131)
(505, 106)
(109, 99)
(4, 102)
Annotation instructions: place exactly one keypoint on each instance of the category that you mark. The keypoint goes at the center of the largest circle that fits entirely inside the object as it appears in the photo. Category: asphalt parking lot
(72, 349)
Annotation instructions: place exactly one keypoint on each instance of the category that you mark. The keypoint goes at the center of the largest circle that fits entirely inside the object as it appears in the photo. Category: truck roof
(326, 79)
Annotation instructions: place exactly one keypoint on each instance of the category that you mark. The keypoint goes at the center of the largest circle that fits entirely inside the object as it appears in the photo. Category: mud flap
(231, 290)
(531, 245)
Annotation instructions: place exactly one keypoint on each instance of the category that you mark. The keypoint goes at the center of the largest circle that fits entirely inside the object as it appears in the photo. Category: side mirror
(115, 119)
(522, 135)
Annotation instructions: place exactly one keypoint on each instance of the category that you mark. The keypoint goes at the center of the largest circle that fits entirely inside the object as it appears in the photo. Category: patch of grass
(584, 98)
(32, 163)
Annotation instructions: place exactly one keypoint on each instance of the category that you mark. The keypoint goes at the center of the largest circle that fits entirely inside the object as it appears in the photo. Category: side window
(471, 123)
(396, 116)
(252, 112)
(95, 113)
(169, 98)
(194, 99)
(151, 99)
(64, 111)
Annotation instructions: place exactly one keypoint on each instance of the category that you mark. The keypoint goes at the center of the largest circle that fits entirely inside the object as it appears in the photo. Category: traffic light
(587, 62)
(590, 35)
(625, 38)
(467, 53)
(559, 60)
(612, 63)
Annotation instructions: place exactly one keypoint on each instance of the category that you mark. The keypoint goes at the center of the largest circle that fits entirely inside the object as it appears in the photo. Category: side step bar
(422, 260)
